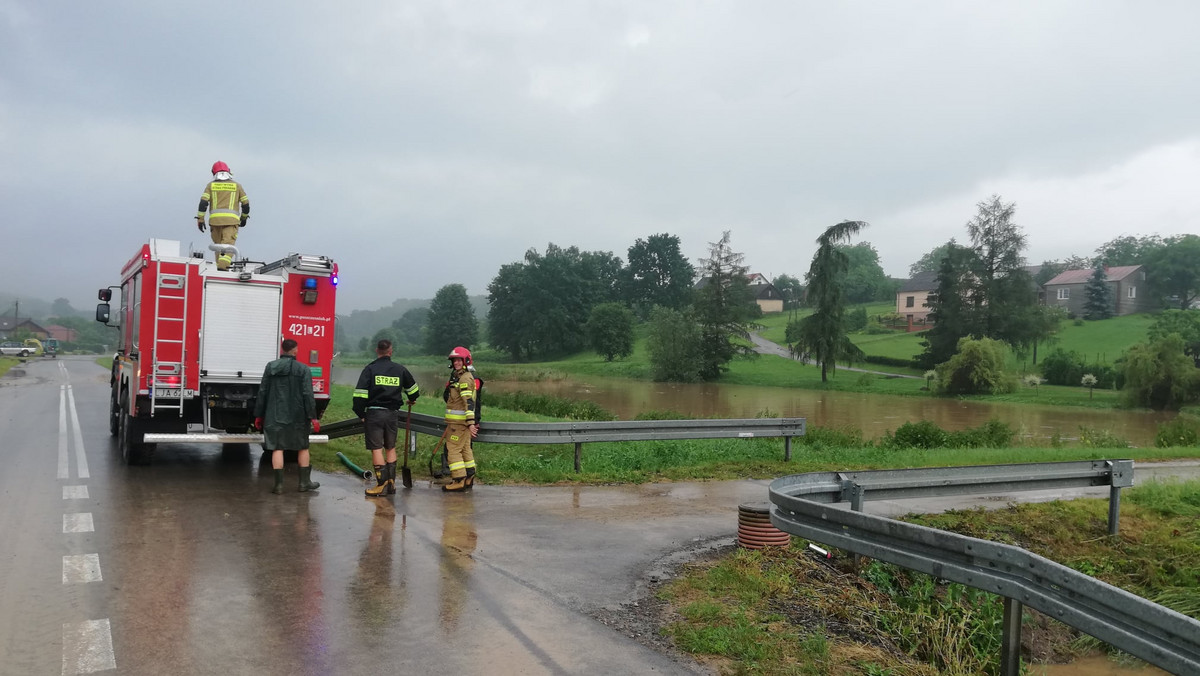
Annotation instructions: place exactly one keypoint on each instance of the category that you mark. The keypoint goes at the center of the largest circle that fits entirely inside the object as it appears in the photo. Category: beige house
(765, 294)
(912, 300)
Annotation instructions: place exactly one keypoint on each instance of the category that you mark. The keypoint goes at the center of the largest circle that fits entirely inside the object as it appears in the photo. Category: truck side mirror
(102, 312)
(105, 295)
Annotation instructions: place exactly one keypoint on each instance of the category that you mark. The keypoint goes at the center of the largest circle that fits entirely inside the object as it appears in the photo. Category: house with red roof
(1128, 282)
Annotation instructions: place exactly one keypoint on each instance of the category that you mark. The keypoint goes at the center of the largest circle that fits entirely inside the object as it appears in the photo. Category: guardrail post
(1010, 646)
(1114, 508)
(857, 497)
(578, 456)
(787, 449)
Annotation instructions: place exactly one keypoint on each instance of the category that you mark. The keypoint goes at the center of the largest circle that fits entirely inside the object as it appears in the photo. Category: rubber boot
(306, 482)
(444, 470)
(384, 480)
(391, 475)
(278, 489)
(457, 485)
(470, 477)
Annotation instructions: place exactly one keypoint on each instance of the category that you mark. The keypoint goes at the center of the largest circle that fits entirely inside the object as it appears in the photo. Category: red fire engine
(195, 340)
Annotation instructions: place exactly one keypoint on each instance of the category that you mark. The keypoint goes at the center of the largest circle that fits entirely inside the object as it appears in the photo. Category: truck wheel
(114, 416)
(134, 452)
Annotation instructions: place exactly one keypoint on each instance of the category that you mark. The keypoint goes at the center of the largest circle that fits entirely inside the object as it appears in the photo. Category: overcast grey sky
(424, 143)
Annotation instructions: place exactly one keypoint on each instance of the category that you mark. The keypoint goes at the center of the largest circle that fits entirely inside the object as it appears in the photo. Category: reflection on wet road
(201, 570)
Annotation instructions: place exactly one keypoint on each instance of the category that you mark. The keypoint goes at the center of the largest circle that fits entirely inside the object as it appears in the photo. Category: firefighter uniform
(460, 417)
(382, 390)
(228, 207)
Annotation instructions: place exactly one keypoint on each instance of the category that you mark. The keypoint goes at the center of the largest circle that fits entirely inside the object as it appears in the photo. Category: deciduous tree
(865, 279)
(1159, 375)
(674, 346)
(657, 274)
(451, 322)
(932, 261)
(1126, 250)
(610, 330)
(1174, 270)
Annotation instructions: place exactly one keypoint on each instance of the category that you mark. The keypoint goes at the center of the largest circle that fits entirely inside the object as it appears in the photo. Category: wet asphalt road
(191, 565)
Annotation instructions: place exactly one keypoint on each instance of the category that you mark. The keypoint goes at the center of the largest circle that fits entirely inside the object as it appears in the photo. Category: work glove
(258, 423)
(316, 426)
(242, 223)
(200, 224)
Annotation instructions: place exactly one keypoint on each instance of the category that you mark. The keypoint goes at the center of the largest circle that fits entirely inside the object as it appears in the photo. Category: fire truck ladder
(170, 312)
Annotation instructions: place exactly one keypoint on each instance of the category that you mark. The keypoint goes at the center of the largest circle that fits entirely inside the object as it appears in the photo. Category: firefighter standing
(382, 389)
(228, 208)
(460, 420)
(284, 410)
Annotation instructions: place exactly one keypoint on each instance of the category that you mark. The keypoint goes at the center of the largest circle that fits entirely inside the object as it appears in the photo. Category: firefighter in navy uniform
(383, 387)
(222, 200)
(461, 426)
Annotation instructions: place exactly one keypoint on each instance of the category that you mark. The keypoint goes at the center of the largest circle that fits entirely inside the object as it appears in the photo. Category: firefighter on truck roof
(228, 208)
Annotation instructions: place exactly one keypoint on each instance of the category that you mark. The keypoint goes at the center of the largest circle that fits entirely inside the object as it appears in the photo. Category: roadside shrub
(856, 319)
(832, 437)
(1090, 437)
(877, 329)
(991, 434)
(977, 368)
(1177, 432)
(889, 361)
(923, 434)
(1160, 375)
(548, 405)
(663, 415)
(1061, 367)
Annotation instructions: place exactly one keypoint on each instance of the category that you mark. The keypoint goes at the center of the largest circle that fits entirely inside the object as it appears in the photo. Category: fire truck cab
(194, 341)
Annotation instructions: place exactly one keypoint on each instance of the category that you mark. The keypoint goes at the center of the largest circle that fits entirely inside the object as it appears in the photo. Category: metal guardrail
(579, 433)
(1156, 634)
(218, 438)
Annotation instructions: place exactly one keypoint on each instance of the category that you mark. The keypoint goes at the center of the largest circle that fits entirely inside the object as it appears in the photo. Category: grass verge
(786, 611)
(6, 363)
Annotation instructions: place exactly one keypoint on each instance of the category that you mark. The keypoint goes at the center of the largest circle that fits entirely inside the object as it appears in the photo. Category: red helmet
(462, 353)
(220, 166)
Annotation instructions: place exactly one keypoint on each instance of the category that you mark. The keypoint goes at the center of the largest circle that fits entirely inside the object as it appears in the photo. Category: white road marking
(75, 492)
(81, 568)
(80, 458)
(80, 522)
(63, 470)
(87, 647)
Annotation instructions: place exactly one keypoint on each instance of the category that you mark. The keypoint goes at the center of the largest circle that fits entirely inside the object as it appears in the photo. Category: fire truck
(194, 341)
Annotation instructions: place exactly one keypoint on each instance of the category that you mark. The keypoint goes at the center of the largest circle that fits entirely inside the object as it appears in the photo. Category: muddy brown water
(1095, 666)
(874, 414)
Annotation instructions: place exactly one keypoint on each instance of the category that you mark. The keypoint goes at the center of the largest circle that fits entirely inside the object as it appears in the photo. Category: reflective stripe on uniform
(470, 463)
(458, 415)
(360, 394)
(412, 390)
(457, 465)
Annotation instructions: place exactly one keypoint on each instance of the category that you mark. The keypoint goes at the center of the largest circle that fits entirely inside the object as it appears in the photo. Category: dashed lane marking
(63, 470)
(80, 458)
(87, 647)
(81, 568)
(75, 492)
(80, 522)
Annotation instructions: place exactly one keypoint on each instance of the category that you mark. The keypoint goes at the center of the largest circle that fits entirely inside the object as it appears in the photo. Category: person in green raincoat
(284, 410)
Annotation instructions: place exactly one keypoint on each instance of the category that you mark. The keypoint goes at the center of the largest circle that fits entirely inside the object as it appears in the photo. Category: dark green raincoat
(286, 405)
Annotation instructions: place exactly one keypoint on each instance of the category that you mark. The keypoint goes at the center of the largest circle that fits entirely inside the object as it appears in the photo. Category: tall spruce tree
(451, 321)
(1098, 296)
(952, 307)
(724, 309)
(823, 333)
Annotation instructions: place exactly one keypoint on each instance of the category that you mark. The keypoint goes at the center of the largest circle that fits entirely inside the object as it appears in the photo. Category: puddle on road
(1095, 666)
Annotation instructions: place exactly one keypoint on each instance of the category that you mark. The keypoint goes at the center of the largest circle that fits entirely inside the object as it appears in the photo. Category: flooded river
(874, 414)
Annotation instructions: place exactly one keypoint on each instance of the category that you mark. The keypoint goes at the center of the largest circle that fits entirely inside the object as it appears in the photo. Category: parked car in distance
(15, 350)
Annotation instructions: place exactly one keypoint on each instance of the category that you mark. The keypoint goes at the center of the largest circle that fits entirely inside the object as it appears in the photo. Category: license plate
(161, 393)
